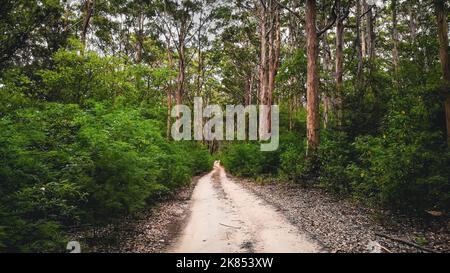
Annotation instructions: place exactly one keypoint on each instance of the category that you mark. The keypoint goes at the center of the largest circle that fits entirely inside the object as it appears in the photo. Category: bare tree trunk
(413, 28)
(359, 40)
(364, 7)
(88, 11)
(339, 61)
(180, 79)
(181, 47)
(291, 106)
(395, 38)
(370, 34)
(263, 69)
(169, 96)
(200, 58)
(412, 24)
(169, 112)
(328, 69)
(312, 85)
(441, 15)
(274, 55)
(140, 38)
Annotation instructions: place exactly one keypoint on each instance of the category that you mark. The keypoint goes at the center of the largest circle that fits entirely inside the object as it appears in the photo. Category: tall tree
(270, 46)
(441, 15)
(88, 11)
(342, 14)
(178, 27)
(312, 85)
(395, 38)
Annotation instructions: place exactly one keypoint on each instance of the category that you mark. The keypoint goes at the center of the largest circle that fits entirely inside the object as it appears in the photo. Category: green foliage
(335, 153)
(95, 154)
(407, 167)
(292, 161)
(404, 166)
(14, 86)
(243, 159)
(62, 165)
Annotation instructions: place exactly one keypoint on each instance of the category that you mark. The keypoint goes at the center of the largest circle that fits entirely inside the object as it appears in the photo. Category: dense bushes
(63, 165)
(401, 163)
(88, 158)
(407, 167)
(243, 159)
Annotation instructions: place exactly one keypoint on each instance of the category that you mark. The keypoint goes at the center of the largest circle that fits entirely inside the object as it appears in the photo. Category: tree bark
(263, 69)
(364, 50)
(369, 31)
(169, 96)
(274, 55)
(395, 38)
(181, 49)
(339, 61)
(328, 105)
(180, 79)
(88, 11)
(441, 16)
(140, 38)
(312, 85)
(359, 40)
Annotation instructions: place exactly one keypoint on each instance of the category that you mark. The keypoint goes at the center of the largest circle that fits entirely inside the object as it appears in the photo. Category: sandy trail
(225, 217)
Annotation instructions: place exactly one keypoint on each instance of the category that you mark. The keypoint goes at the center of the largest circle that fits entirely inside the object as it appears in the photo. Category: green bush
(335, 153)
(243, 159)
(407, 167)
(61, 165)
(292, 157)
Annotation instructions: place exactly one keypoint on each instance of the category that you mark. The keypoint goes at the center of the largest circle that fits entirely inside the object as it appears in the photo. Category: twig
(229, 226)
(407, 243)
(385, 249)
(296, 14)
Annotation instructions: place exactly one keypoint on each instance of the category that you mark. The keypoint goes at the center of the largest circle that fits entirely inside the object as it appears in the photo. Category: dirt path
(225, 217)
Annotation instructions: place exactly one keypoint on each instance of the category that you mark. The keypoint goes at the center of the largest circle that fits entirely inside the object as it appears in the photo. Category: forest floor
(220, 213)
(343, 226)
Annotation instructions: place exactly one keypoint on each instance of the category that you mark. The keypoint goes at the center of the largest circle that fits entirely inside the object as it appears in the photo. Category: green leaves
(63, 165)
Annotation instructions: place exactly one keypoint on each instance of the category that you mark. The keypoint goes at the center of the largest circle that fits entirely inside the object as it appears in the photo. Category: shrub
(292, 157)
(243, 159)
(61, 165)
(335, 153)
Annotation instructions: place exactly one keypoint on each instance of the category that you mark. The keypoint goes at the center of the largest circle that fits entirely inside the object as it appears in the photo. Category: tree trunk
(181, 48)
(140, 38)
(369, 31)
(339, 61)
(412, 23)
(312, 85)
(274, 56)
(88, 11)
(413, 28)
(364, 7)
(441, 15)
(328, 69)
(358, 40)
(263, 69)
(180, 79)
(169, 113)
(169, 96)
(395, 38)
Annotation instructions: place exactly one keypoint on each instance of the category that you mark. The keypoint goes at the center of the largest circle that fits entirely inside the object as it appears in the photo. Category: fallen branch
(406, 243)
(229, 226)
